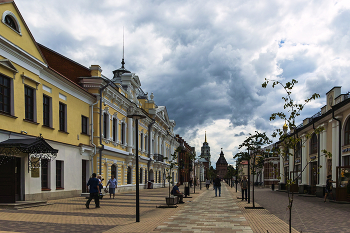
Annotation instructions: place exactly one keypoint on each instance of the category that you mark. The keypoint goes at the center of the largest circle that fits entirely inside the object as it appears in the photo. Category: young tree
(254, 144)
(173, 164)
(289, 141)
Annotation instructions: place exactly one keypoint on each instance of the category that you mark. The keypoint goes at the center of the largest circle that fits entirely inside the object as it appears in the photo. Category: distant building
(205, 154)
(242, 168)
(221, 165)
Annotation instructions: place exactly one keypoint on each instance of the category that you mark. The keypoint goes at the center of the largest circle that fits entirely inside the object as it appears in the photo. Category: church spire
(205, 136)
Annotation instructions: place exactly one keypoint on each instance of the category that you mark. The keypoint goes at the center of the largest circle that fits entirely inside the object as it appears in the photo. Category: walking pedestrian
(113, 183)
(94, 191)
(244, 186)
(217, 185)
(329, 187)
(207, 183)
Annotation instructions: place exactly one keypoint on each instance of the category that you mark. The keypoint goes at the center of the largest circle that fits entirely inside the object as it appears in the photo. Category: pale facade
(334, 117)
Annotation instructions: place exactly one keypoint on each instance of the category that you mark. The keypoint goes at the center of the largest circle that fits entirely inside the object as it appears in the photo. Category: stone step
(23, 204)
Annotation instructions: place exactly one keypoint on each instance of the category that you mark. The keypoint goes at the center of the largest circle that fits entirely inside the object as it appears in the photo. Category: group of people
(96, 186)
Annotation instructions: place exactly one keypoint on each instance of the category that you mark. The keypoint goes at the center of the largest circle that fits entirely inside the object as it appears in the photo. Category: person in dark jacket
(217, 185)
(94, 191)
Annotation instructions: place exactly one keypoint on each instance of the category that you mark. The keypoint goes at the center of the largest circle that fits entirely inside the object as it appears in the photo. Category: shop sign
(313, 157)
(286, 163)
(297, 161)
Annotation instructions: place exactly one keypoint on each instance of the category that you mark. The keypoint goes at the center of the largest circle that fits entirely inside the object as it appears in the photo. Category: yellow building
(55, 130)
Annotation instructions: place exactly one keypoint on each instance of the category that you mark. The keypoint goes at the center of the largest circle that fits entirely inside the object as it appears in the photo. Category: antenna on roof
(123, 51)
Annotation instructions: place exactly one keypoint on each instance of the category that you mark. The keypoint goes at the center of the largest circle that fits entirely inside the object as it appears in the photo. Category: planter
(171, 200)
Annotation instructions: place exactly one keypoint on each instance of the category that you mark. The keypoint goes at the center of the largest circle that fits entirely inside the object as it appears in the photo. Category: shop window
(63, 117)
(5, 94)
(47, 111)
(29, 103)
(84, 125)
(347, 133)
(313, 144)
(59, 174)
(45, 164)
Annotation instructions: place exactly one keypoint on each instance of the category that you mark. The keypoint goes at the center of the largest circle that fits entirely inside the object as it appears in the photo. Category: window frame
(313, 144)
(45, 174)
(29, 104)
(59, 174)
(2, 95)
(84, 125)
(347, 133)
(9, 14)
(47, 119)
(62, 116)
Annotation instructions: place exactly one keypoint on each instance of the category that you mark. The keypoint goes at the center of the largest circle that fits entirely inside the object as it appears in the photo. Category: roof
(221, 159)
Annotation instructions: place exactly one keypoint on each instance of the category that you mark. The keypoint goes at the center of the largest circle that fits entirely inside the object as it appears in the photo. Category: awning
(36, 148)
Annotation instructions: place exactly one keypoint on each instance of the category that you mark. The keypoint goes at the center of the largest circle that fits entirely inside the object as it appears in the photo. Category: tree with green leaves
(288, 141)
(173, 164)
(255, 154)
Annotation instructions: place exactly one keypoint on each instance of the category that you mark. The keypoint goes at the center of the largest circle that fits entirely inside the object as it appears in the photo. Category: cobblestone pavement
(309, 214)
(70, 215)
(208, 213)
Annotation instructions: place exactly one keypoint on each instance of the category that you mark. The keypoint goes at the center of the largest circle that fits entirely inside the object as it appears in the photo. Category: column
(335, 149)
(130, 137)
(304, 160)
(156, 144)
(323, 159)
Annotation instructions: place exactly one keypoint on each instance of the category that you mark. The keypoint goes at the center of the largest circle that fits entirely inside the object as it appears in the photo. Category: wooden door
(7, 180)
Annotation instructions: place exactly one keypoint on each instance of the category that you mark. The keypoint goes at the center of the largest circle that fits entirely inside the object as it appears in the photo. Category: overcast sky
(206, 60)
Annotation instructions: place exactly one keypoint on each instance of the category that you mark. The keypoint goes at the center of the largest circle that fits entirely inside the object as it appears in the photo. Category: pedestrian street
(208, 213)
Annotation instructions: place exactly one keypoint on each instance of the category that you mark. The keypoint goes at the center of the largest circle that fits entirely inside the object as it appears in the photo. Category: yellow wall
(25, 41)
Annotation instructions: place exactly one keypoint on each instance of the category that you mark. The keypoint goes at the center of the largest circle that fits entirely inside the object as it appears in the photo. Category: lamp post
(236, 181)
(136, 114)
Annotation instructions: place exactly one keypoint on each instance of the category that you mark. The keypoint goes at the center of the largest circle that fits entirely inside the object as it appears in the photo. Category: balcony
(158, 157)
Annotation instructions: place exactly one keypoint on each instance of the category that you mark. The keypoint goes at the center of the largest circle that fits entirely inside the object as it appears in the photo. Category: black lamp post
(136, 114)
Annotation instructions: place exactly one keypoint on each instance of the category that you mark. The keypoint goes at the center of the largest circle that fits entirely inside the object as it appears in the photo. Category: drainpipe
(100, 125)
(149, 147)
(92, 135)
(339, 135)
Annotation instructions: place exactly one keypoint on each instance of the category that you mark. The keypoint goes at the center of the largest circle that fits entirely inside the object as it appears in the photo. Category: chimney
(95, 71)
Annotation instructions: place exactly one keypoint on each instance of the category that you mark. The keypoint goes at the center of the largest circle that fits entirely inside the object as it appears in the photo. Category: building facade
(221, 165)
(334, 118)
(60, 121)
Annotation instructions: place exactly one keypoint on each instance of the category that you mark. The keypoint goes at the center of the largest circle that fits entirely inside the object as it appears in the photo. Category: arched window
(114, 171)
(140, 176)
(146, 178)
(129, 176)
(347, 133)
(313, 144)
(9, 19)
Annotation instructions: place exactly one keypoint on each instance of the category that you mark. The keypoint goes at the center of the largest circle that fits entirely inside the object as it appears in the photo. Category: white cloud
(206, 60)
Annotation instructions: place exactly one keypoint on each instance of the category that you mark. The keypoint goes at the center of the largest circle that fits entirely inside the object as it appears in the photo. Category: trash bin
(273, 187)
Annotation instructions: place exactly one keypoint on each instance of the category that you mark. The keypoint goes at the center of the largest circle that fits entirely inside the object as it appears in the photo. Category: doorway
(313, 177)
(83, 177)
(8, 180)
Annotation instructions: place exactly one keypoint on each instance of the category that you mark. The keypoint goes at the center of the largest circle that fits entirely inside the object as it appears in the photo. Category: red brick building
(221, 165)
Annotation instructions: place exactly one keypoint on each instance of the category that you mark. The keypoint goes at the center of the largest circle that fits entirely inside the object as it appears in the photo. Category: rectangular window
(115, 129)
(59, 170)
(45, 173)
(84, 124)
(105, 122)
(63, 117)
(46, 110)
(123, 133)
(29, 103)
(5, 94)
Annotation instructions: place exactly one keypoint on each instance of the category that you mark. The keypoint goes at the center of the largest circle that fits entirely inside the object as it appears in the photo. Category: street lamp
(136, 114)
